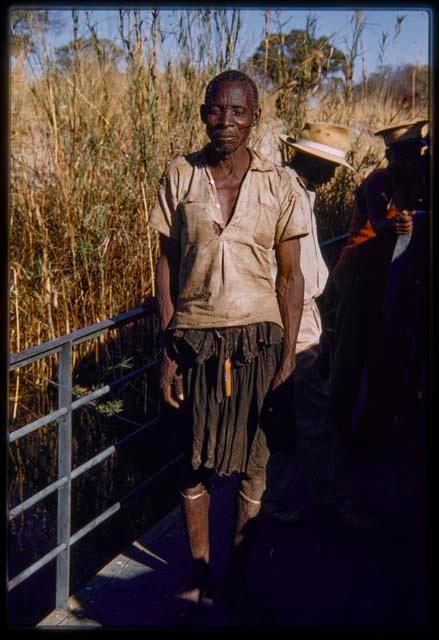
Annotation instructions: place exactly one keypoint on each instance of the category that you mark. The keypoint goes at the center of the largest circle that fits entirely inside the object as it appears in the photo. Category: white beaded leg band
(197, 495)
(242, 494)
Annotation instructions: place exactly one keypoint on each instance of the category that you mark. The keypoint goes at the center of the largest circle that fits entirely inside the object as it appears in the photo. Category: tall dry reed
(91, 136)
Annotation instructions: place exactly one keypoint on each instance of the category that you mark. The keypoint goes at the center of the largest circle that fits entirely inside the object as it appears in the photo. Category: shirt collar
(257, 161)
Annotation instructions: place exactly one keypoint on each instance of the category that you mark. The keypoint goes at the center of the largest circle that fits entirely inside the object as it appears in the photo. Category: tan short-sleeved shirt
(314, 270)
(225, 277)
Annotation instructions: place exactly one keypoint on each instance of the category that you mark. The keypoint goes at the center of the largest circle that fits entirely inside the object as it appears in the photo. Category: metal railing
(334, 240)
(63, 416)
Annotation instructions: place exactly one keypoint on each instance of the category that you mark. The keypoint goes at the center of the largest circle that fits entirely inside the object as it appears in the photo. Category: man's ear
(203, 113)
(256, 116)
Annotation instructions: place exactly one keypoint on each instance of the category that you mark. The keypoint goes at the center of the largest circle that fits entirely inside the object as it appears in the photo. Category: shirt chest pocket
(264, 230)
(197, 223)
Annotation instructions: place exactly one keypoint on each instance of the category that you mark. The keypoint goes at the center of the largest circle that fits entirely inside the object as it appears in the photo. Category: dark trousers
(318, 450)
(360, 348)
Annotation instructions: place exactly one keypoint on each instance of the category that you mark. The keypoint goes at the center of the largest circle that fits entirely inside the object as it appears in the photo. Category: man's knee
(194, 482)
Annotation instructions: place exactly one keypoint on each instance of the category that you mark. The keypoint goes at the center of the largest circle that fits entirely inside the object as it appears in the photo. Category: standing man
(229, 331)
(383, 208)
(320, 148)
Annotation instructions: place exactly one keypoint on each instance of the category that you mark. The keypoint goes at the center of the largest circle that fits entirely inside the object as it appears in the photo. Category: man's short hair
(233, 76)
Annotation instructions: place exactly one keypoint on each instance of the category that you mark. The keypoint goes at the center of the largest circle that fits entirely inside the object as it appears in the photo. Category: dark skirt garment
(229, 434)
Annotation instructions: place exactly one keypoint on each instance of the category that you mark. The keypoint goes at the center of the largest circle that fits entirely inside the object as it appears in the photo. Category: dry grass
(88, 144)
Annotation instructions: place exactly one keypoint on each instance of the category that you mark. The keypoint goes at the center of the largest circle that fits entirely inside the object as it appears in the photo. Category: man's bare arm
(167, 291)
(290, 291)
(167, 280)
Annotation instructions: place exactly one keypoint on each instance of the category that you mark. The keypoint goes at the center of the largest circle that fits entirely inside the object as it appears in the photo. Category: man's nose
(226, 118)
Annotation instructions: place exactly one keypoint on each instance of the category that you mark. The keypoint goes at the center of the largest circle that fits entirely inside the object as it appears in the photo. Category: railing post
(64, 470)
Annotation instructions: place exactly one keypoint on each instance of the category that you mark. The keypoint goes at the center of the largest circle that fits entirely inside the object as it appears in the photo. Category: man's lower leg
(195, 505)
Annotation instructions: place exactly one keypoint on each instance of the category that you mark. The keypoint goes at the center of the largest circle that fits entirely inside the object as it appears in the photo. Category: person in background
(229, 330)
(383, 210)
(319, 149)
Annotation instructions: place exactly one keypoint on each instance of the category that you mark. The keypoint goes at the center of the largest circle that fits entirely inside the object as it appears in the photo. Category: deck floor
(323, 574)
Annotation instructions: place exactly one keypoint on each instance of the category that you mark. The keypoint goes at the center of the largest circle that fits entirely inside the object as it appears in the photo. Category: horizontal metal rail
(30, 502)
(334, 240)
(118, 505)
(18, 579)
(94, 523)
(35, 567)
(109, 452)
(80, 402)
(37, 497)
(86, 399)
(76, 337)
(33, 426)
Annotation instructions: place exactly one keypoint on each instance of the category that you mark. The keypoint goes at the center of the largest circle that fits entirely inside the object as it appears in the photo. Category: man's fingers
(404, 228)
(167, 394)
(403, 224)
(170, 400)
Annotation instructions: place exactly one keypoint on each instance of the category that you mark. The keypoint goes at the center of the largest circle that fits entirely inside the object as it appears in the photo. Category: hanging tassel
(227, 378)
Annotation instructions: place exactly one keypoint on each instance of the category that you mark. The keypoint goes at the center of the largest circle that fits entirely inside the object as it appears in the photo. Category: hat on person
(403, 132)
(324, 140)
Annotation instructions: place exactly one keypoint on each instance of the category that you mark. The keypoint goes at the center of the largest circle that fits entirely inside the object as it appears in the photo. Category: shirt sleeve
(292, 222)
(165, 216)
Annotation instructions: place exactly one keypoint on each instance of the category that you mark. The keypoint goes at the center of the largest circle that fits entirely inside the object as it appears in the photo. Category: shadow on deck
(322, 574)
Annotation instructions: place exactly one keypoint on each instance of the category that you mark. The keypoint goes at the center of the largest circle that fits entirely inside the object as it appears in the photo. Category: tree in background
(294, 65)
(94, 50)
(24, 23)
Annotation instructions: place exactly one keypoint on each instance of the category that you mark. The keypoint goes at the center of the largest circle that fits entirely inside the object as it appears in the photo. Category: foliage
(296, 64)
(95, 50)
(24, 23)
(299, 57)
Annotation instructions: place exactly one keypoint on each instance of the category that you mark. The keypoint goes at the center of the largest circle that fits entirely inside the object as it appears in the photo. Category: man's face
(317, 170)
(228, 116)
(407, 153)
(325, 171)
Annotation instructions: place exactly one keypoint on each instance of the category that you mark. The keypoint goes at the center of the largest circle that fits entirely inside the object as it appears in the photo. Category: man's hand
(404, 223)
(284, 372)
(171, 382)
